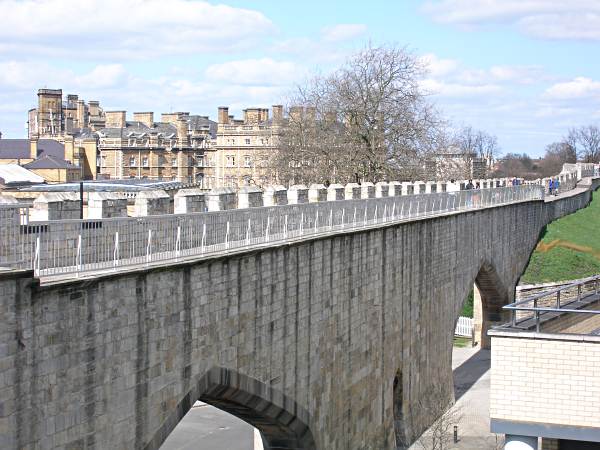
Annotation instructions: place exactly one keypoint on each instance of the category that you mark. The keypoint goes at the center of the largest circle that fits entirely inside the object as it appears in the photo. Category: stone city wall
(305, 340)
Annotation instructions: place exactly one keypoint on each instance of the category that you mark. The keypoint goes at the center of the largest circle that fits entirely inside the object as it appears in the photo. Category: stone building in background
(56, 162)
(180, 146)
(70, 121)
(175, 148)
(243, 146)
(107, 145)
(457, 164)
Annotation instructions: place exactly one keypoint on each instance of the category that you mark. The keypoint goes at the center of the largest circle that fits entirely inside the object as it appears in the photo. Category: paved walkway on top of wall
(582, 186)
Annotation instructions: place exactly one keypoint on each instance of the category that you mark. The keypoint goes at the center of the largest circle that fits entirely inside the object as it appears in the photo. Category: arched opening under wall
(398, 399)
(490, 295)
(479, 309)
(283, 424)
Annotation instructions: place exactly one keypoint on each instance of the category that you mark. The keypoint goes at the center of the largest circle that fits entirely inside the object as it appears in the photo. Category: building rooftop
(19, 148)
(130, 184)
(13, 174)
(50, 162)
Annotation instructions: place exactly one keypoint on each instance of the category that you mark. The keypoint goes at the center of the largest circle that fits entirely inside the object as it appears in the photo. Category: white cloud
(580, 87)
(548, 19)
(264, 71)
(31, 75)
(130, 29)
(343, 32)
(438, 67)
(450, 78)
(104, 76)
(457, 90)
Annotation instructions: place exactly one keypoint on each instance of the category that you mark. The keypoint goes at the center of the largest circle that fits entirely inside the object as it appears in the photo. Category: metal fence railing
(77, 246)
(571, 298)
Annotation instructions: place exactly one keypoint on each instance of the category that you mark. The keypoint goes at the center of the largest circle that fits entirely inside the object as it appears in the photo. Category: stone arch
(282, 422)
(491, 294)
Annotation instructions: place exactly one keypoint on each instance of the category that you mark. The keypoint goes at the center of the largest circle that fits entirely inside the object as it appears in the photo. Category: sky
(523, 70)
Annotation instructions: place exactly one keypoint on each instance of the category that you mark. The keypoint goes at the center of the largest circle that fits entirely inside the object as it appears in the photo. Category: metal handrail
(74, 246)
(553, 291)
(555, 297)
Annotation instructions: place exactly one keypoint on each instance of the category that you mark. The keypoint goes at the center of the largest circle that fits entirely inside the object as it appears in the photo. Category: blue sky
(524, 70)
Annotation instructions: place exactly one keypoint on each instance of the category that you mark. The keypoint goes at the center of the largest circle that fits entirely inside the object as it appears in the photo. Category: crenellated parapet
(65, 205)
(56, 206)
(189, 201)
(102, 205)
(152, 203)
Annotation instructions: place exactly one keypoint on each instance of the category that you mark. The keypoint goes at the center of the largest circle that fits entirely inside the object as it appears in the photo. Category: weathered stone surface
(152, 203)
(317, 193)
(335, 192)
(189, 201)
(382, 189)
(220, 199)
(250, 197)
(297, 194)
(352, 191)
(106, 204)
(55, 206)
(367, 190)
(304, 340)
(275, 195)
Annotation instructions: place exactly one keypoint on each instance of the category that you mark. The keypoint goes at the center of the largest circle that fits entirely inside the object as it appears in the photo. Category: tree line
(370, 120)
(580, 144)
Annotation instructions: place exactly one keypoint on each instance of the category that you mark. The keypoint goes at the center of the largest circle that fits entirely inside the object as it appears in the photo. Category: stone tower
(50, 111)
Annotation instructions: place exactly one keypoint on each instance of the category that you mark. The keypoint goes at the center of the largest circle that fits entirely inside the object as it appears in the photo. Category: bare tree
(367, 121)
(515, 165)
(586, 141)
(557, 154)
(477, 144)
(440, 435)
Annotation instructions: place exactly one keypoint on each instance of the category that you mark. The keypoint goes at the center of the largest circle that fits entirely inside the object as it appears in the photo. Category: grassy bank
(569, 249)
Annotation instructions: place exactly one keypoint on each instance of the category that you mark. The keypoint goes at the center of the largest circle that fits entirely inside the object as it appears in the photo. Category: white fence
(464, 327)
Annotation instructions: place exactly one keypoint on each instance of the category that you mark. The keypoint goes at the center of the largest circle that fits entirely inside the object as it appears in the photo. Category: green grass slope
(570, 248)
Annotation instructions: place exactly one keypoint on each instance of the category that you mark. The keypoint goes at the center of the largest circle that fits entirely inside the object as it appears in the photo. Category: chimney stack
(147, 118)
(81, 116)
(33, 147)
(296, 113)
(264, 114)
(69, 145)
(115, 119)
(223, 115)
(277, 113)
(182, 132)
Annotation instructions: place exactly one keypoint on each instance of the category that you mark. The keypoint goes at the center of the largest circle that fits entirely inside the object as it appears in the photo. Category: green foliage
(460, 341)
(467, 309)
(581, 228)
(562, 261)
(560, 264)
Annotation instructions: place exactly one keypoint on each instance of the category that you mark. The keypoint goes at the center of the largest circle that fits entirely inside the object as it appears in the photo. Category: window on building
(247, 161)
(174, 161)
(200, 161)
(247, 141)
(132, 161)
(145, 161)
(230, 161)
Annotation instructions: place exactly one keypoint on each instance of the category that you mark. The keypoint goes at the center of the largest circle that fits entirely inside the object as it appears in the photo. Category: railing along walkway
(532, 312)
(73, 247)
